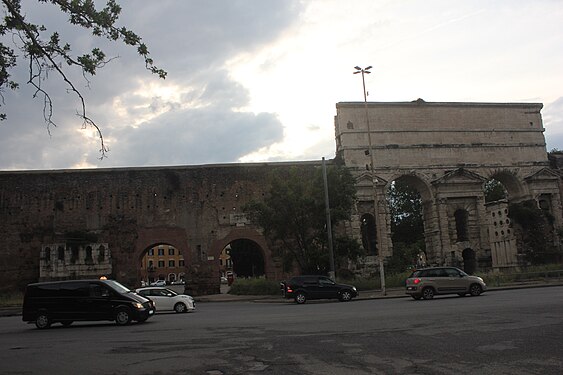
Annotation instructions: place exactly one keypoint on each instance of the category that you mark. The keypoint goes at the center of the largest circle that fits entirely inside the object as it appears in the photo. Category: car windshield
(117, 286)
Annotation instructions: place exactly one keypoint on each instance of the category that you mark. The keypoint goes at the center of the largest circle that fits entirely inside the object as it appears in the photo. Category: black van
(68, 301)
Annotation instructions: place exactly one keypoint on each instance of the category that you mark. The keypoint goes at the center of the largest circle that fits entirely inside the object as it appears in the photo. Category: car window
(325, 281)
(144, 292)
(452, 272)
(311, 281)
(97, 290)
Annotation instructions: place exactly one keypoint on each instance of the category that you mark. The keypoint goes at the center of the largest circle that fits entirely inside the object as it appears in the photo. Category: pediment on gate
(460, 176)
(366, 179)
(542, 175)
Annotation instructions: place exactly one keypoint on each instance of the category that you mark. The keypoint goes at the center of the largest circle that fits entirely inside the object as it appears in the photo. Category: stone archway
(170, 239)
(270, 271)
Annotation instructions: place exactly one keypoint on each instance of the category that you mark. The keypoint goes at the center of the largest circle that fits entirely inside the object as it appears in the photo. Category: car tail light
(289, 290)
(416, 281)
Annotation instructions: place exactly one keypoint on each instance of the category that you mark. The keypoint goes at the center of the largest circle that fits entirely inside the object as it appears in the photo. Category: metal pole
(374, 181)
(331, 273)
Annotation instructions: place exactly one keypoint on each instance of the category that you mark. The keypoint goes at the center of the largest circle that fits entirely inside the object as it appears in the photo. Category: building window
(160, 263)
(88, 258)
(160, 252)
(171, 263)
(47, 254)
(61, 253)
(181, 263)
(73, 254)
(171, 251)
(151, 252)
(461, 225)
(101, 254)
(151, 264)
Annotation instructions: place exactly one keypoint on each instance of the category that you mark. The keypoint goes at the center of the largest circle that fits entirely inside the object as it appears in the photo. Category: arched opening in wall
(406, 196)
(162, 264)
(241, 258)
(461, 225)
(369, 234)
(494, 191)
(469, 261)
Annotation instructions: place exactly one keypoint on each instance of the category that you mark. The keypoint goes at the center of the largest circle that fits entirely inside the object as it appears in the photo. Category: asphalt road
(504, 332)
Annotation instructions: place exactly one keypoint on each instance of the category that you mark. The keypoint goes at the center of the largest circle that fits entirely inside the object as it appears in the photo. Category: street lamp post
(373, 178)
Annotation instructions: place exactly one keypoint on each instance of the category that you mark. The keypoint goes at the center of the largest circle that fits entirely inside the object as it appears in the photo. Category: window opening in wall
(47, 254)
(73, 254)
(461, 225)
(88, 257)
(369, 234)
(61, 253)
(101, 254)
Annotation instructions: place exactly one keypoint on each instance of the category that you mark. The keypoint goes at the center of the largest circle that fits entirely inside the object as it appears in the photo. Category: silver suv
(427, 282)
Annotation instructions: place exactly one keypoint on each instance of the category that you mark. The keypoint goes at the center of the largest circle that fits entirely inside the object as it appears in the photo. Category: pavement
(363, 295)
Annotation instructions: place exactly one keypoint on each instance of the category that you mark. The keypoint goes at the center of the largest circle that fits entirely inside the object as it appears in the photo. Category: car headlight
(138, 305)
(354, 288)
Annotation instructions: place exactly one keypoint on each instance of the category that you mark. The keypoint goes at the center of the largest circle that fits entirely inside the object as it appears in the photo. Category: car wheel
(66, 323)
(122, 316)
(42, 321)
(475, 290)
(427, 293)
(180, 307)
(300, 298)
(416, 297)
(345, 296)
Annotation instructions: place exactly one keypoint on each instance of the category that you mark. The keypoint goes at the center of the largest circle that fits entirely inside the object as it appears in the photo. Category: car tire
(300, 298)
(475, 290)
(345, 296)
(428, 293)
(42, 321)
(180, 307)
(122, 316)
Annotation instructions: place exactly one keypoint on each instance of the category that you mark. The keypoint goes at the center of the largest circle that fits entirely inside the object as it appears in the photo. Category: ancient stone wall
(195, 209)
(447, 151)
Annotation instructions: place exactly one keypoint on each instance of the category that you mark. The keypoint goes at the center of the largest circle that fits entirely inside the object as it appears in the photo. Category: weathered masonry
(448, 151)
(83, 223)
(88, 223)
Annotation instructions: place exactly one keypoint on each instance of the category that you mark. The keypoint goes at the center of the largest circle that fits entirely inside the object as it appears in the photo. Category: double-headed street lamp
(373, 178)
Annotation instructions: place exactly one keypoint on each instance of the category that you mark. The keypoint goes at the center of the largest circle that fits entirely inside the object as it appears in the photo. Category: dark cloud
(192, 40)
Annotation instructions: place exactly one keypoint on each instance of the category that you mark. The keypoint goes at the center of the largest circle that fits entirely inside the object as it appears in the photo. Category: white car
(168, 300)
(159, 283)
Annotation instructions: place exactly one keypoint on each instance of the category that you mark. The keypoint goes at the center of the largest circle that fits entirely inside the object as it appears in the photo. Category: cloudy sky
(258, 80)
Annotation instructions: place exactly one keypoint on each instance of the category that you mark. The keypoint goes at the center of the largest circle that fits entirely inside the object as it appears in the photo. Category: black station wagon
(302, 288)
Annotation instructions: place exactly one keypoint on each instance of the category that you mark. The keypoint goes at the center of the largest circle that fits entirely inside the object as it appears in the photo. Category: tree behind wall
(293, 216)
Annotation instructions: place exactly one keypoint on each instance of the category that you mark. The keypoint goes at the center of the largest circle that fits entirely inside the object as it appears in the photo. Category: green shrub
(257, 287)
(12, 299)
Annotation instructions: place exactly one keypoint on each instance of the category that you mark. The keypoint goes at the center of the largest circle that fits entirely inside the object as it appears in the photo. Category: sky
(258, 80)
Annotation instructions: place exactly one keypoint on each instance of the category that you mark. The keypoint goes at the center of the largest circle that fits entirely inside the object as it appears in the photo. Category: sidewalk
(364, 295)
(397, 292)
